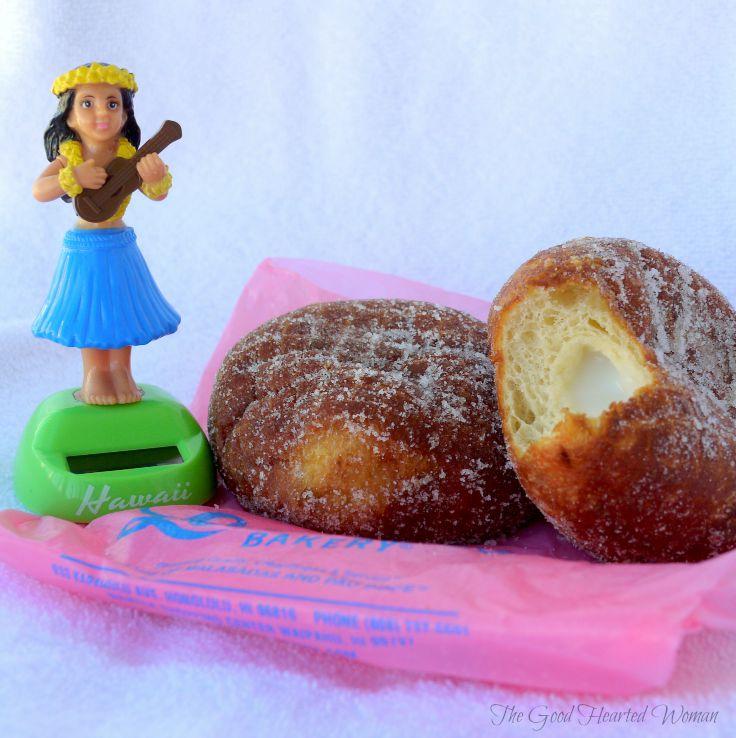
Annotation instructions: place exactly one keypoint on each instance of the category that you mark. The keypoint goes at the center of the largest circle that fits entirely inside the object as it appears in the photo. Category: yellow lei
(93, 73)
(71, 150)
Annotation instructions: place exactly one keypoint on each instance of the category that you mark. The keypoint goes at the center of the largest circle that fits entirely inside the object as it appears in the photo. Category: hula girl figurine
(103, 298)
(77, 459)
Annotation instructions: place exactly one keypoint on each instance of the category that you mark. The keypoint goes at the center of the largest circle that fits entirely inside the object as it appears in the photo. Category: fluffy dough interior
(565, 351)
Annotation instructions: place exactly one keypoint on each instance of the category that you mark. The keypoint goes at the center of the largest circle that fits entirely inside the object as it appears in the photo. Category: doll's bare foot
(126, 390)
(98, 388)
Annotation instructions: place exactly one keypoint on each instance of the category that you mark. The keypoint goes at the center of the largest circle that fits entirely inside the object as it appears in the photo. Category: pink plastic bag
(533, 612)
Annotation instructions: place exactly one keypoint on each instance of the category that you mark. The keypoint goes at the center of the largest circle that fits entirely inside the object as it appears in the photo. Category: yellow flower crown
(94, 73)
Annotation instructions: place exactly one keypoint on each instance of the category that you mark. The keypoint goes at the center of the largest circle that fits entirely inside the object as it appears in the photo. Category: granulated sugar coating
(651, 477)
(375, 418)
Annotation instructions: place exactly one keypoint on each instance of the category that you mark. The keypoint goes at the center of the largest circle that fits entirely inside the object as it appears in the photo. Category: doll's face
(97, 113)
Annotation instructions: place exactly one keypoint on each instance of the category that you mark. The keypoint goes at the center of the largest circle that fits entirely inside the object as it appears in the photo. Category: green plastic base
(79, 461)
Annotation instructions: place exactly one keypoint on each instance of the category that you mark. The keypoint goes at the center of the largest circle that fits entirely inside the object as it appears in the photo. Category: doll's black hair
(58, 130)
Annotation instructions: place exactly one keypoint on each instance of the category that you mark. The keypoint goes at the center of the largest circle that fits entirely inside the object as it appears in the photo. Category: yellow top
(71, 150)
(94, 73)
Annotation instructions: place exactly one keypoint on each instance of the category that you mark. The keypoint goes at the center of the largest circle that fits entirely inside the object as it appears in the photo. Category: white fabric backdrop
(441, 140)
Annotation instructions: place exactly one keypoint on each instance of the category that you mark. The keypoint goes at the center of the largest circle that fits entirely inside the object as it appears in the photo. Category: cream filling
(565, 352)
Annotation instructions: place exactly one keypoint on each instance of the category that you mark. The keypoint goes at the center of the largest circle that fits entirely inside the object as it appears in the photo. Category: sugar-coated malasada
(616, 378)
(374, 418)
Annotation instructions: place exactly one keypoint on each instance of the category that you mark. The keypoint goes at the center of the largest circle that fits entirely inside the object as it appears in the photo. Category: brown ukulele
(97, 206)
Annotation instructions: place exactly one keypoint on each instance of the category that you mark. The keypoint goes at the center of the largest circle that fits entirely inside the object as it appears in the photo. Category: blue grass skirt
(103, 295)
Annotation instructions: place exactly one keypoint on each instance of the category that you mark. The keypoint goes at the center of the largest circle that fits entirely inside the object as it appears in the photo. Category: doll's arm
(155, 176)
(87, 175)
(47, 187)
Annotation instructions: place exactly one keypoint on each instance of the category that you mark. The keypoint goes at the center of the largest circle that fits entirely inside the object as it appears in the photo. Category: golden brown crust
(655, 478)
(373, 418)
